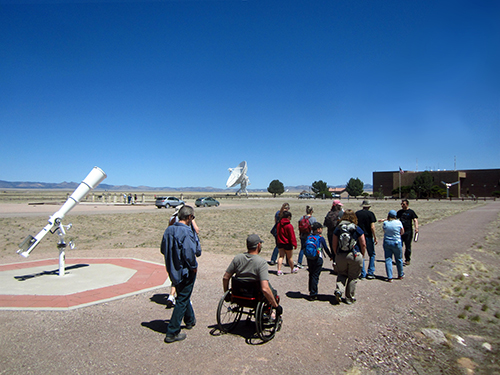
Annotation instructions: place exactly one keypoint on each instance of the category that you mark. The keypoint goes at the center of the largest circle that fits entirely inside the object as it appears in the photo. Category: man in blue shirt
(180, 247)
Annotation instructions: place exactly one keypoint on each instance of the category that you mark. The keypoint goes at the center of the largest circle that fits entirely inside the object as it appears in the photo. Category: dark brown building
(478, 182)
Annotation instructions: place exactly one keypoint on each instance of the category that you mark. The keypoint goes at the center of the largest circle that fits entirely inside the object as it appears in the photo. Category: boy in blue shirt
(315, 264)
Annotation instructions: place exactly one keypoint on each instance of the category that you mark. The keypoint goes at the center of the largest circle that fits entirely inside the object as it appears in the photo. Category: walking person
(407, 217)
(174, 219)
(349, 247)
(305, 230)
(286, 241)
(393, 229)
(181, 249)
(366, 221)
(331, 221)
(277, 218)
(315, 249)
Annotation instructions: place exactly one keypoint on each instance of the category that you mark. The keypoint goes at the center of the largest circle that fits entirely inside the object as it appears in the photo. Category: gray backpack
(346, 236)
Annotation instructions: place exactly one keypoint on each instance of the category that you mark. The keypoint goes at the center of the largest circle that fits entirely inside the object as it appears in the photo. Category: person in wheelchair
(250, 267)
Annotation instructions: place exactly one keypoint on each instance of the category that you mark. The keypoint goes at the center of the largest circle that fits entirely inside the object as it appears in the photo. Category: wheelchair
(247, 298)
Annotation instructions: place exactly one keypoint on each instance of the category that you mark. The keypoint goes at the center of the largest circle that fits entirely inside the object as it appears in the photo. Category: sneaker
(338, 296)
(350, 301)
(295, 270)
(389, 280)
(406, 263)
(370, 277)
(279, 273)
(190, 326)
(300, 266)
(272, 263)
(179, 337)
(312, 297)
(401, 277)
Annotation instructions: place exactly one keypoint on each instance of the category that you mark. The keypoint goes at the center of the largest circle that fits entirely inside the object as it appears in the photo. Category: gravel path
(379, 334)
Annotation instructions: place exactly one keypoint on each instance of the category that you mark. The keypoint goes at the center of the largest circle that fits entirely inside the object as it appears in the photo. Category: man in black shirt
(407, 217)
(366, 221)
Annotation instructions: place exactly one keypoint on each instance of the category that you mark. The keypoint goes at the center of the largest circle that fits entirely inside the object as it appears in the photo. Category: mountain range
(73, 185)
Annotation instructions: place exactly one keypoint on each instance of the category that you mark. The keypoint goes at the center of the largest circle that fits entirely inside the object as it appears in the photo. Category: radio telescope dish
(239, 176)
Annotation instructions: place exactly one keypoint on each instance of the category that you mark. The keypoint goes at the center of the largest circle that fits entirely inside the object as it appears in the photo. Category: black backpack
(331, 220)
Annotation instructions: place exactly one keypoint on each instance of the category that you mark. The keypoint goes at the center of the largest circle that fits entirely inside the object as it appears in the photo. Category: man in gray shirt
(250, 266)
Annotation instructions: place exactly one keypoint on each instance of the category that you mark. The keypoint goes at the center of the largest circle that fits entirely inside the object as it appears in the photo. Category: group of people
(350, 236)
(181, 246)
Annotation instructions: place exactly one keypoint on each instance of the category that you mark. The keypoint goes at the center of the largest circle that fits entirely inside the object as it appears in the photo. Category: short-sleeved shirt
(406, 217)
(392, 230)
(249, 267)
(365, 220)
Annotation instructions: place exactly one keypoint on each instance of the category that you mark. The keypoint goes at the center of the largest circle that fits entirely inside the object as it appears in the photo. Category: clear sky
(173, 93)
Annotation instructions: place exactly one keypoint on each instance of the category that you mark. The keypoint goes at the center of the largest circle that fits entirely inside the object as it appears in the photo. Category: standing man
(407, 216)
(180, 248)
(366, 221)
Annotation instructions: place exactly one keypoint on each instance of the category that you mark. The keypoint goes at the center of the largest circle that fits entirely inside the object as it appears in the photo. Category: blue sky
(173, 93)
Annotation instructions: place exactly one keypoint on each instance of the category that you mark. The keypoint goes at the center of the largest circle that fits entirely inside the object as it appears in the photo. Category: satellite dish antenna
(448, 186)
(239, 176)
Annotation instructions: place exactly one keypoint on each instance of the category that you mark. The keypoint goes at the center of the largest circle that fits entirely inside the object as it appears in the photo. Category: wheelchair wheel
(265, 324)
(228, 314)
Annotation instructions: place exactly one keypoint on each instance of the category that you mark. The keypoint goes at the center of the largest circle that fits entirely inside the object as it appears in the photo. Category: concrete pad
(38, 286)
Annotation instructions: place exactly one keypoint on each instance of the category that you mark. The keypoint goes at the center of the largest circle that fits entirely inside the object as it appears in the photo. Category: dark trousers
(314, 265)
(407, 237)
(183, 309)
(329, 236)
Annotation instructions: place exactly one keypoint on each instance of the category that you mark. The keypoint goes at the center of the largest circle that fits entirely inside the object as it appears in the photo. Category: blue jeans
(183, 308)
(370, 249)
(314, 266)
(393, 248)
(274, 257)
(303, 240)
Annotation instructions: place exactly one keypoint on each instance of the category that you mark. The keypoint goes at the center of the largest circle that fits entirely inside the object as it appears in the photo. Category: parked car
(206, 201)
(335, 195)
(306, 196)
(168, 202)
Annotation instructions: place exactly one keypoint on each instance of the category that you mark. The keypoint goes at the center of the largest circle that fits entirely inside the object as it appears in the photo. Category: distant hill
(73, 185)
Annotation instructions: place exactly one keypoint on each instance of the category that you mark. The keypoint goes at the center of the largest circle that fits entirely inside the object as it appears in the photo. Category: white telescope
(94, 178)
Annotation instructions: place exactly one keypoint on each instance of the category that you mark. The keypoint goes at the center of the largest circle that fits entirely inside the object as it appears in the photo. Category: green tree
(354, 187)
(320, 188)
(276, 187)
(406, 192)
(423, 184)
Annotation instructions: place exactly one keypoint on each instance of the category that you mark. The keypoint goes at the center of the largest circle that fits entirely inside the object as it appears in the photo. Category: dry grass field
(222, 229)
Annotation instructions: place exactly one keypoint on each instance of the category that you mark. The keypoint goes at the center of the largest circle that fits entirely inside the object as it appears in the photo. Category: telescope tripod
(61, 245)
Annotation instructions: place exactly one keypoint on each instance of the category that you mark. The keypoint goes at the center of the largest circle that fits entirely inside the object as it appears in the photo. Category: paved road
(126, 336)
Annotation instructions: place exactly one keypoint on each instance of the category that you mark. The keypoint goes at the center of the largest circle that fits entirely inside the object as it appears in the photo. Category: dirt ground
(452, 285)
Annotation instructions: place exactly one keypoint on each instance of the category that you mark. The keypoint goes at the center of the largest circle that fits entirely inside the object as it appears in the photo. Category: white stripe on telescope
(93, 179)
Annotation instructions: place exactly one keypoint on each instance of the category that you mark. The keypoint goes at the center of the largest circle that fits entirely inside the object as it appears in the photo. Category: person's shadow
(159, 326)
(319, 297)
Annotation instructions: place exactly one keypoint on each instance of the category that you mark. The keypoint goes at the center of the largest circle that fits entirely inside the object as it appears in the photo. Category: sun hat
(393, 213)
(366, 203)
(253, 240)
